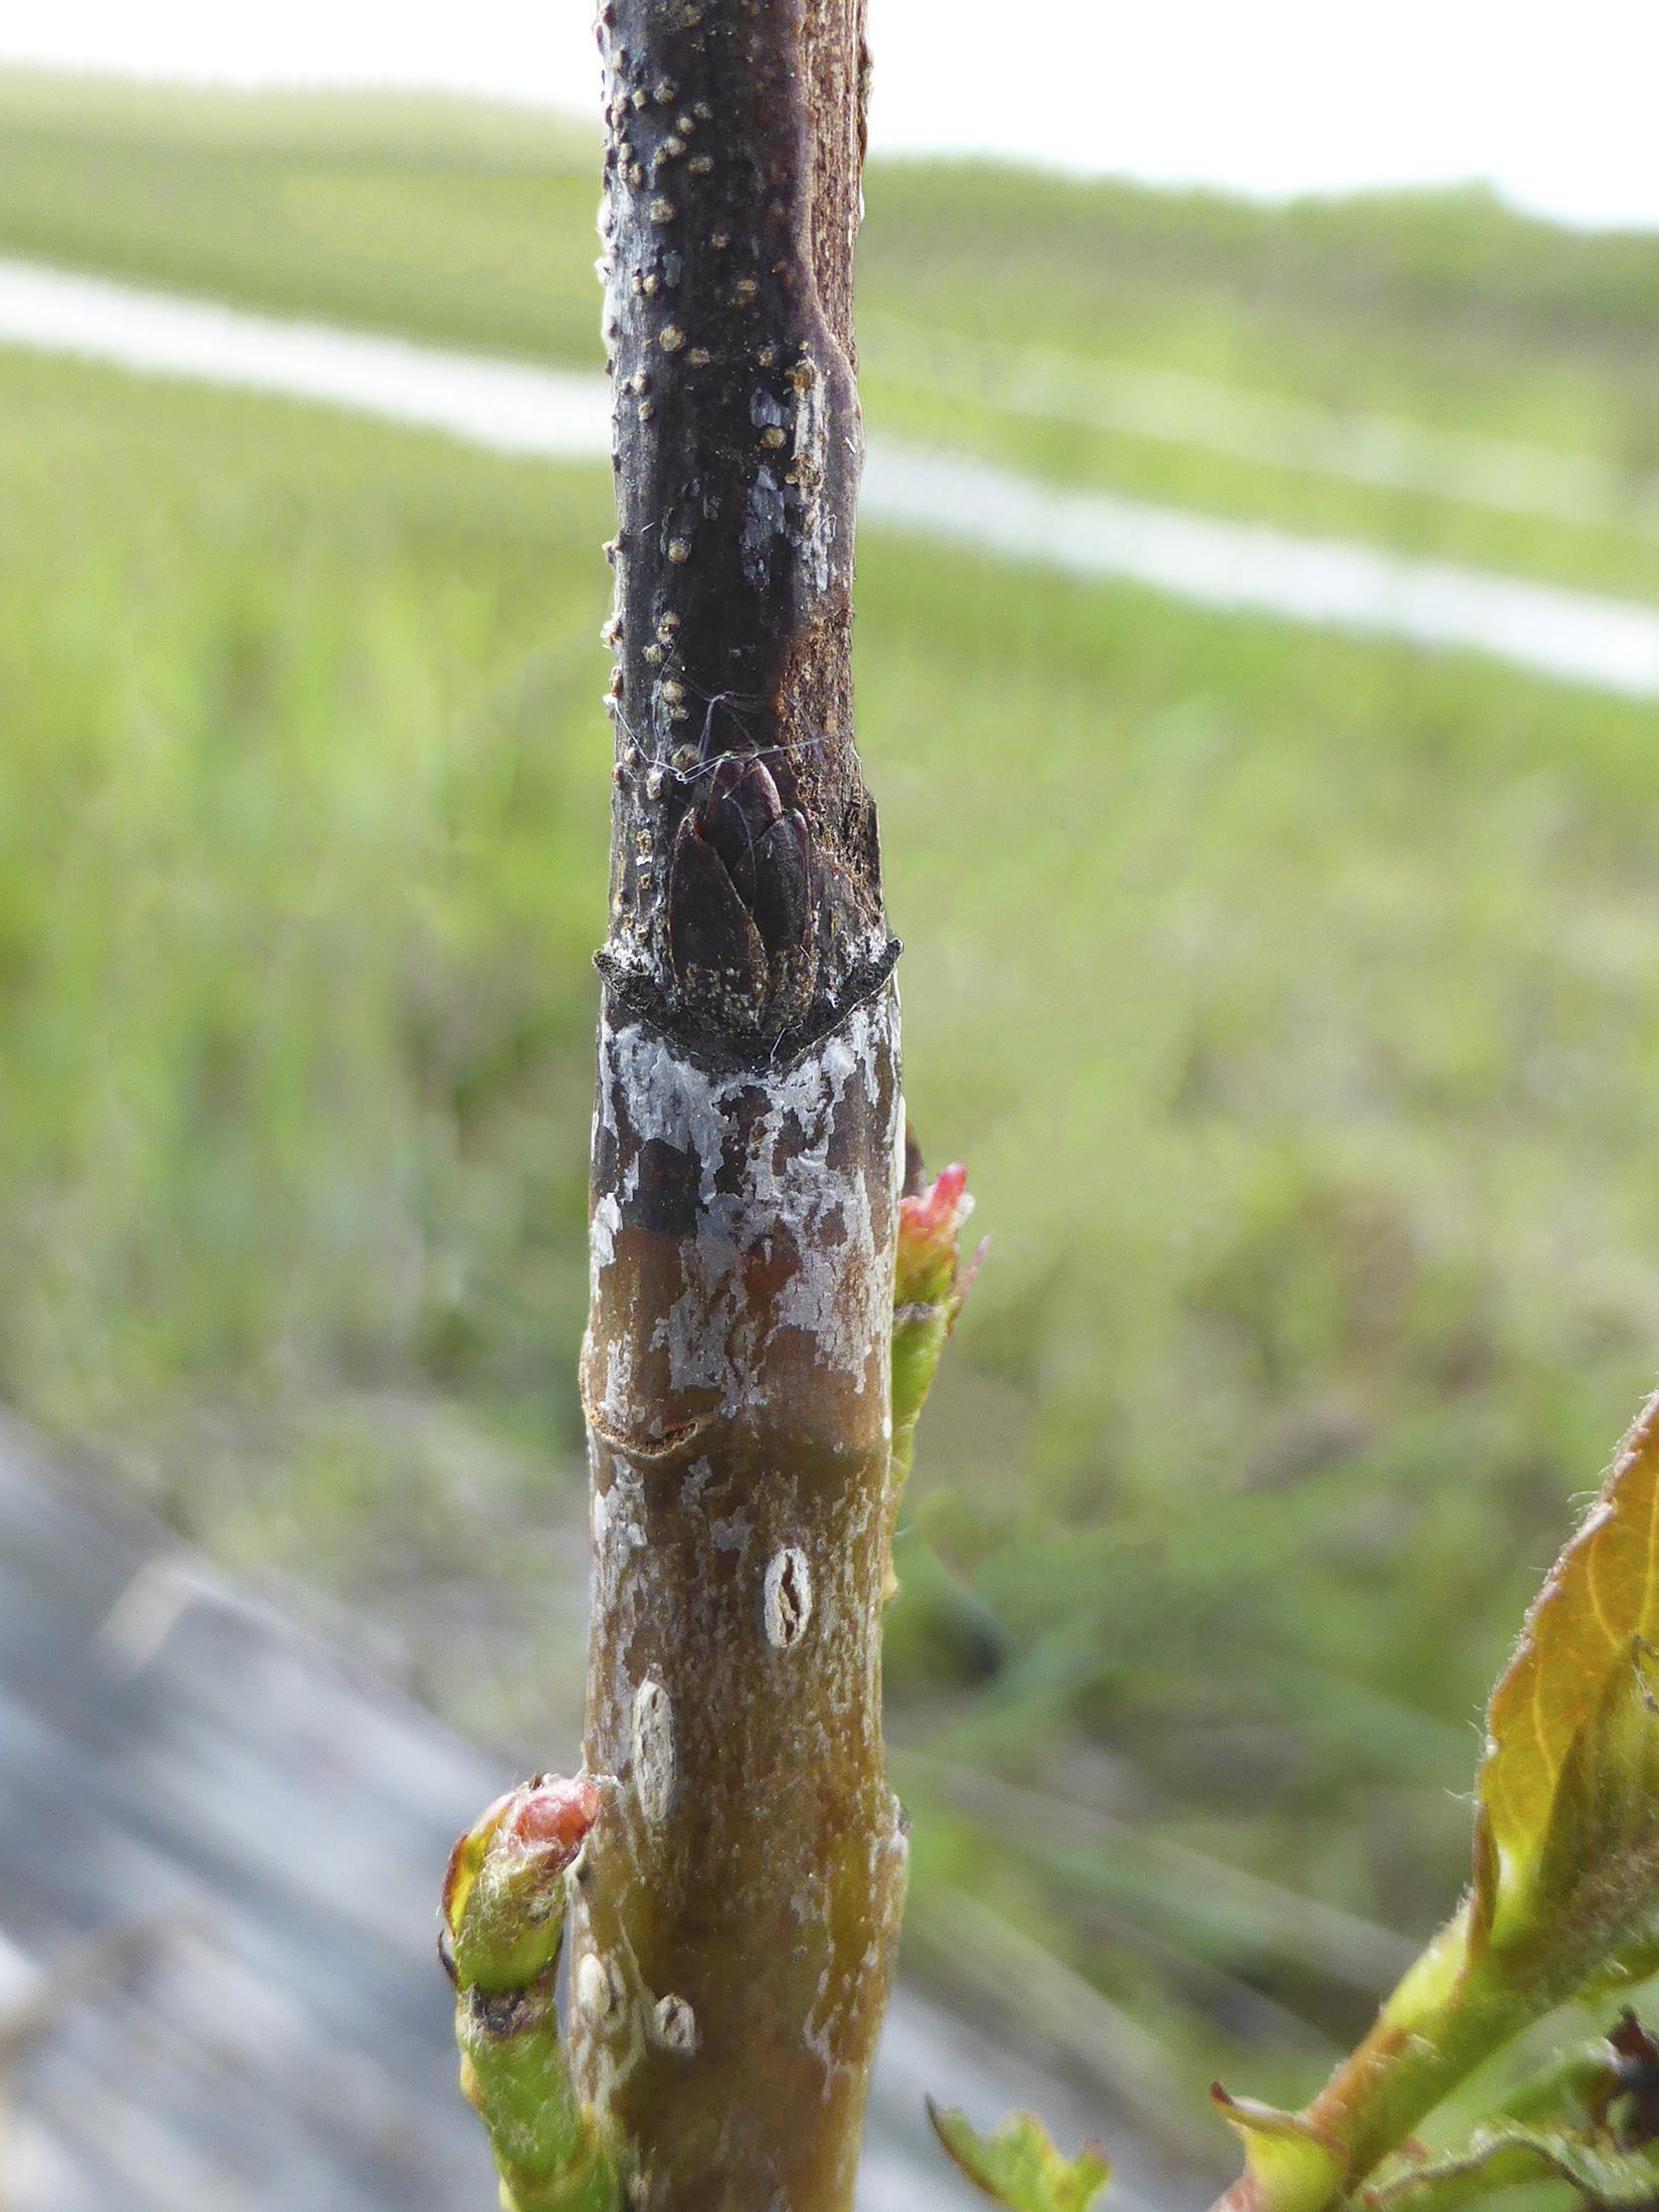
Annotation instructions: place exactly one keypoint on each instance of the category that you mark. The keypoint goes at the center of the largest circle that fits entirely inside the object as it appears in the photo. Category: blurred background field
(1291, 998)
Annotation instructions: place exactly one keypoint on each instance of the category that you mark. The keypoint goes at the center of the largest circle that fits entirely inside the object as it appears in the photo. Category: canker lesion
(786, 1597)
(637, 1442)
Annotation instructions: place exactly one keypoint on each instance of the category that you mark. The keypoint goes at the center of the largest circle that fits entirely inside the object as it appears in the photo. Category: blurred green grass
(1398, 326)
(1292, 998)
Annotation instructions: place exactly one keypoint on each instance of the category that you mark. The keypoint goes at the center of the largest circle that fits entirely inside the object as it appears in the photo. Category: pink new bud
(543, 1823)
(553, 1811)
(930, 1233)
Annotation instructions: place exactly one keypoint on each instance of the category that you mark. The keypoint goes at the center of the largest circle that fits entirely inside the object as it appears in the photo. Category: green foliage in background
(1291, 998)
(1432, 370)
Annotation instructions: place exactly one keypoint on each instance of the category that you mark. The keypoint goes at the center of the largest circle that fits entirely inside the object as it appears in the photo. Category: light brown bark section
(749, 1864)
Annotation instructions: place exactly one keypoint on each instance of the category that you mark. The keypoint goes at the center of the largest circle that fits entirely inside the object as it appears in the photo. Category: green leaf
(1018, 2164)
(1568, 1863)
(1505, 2155)
(1565, 1901)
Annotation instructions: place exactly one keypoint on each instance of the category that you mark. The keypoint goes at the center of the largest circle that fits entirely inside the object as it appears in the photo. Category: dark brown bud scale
(740, 905)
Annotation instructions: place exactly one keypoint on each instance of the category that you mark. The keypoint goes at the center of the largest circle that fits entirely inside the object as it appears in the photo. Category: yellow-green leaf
(1567, 1783)
(1566, 1893)
(1019, 2167)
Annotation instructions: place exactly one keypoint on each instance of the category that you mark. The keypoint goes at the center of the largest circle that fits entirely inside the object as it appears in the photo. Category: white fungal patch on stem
(786, 1601)
(815, 421)
(840, 1290)
(655, 1760)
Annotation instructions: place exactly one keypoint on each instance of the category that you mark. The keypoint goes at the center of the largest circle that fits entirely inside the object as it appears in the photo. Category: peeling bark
(740, 1895)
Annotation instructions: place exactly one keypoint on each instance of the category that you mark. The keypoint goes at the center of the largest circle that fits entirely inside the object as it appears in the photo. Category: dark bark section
(741, 1893)
(731, 206)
